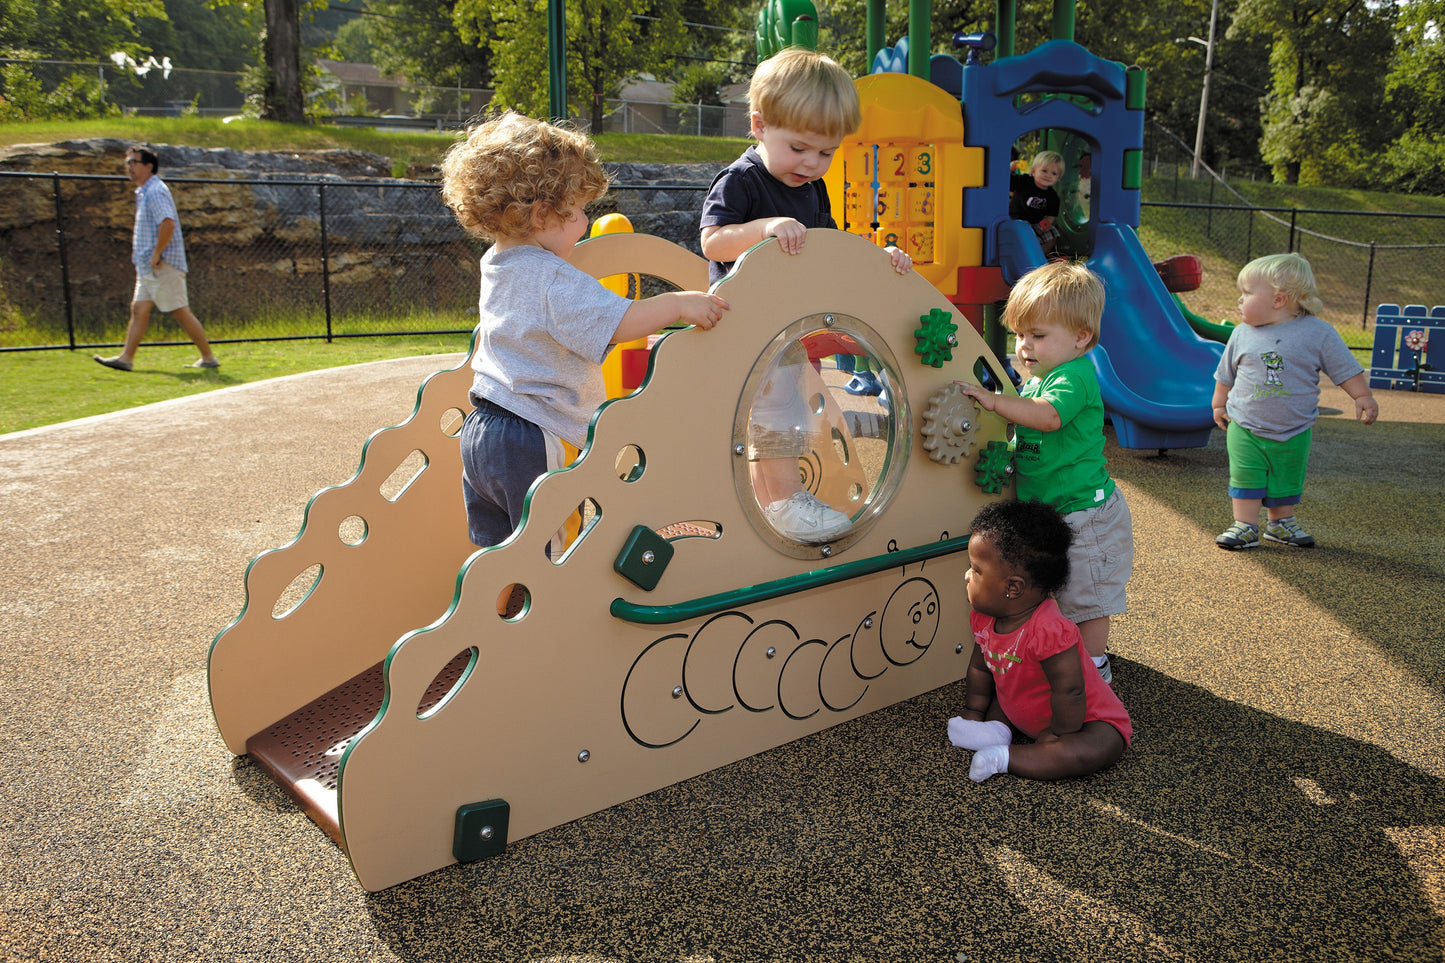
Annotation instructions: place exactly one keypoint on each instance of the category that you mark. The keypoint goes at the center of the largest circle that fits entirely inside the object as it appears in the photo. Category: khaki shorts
(167, 288)
(1101, 559)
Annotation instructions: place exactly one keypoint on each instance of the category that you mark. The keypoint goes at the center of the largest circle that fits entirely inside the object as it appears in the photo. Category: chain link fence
(1360, 258)
(268, 257)
(281, 257)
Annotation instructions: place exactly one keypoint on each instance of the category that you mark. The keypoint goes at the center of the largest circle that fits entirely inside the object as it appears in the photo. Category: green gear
(995, 465)
(936, 339)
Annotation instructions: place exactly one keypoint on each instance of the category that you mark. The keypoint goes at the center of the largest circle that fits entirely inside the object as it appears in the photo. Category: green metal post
(557, 59)
(1003, 27)
(875, 30)
(920, 38)
(1063, 25)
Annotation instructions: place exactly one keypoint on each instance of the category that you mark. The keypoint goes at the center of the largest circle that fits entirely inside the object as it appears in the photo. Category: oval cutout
(448, 682)
(404, 475)
(297, 592)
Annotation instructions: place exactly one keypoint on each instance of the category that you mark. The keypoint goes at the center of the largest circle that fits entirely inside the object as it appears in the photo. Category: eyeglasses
(132, 160)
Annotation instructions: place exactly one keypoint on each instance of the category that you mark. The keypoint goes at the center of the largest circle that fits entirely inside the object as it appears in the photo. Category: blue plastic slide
(1156, 374)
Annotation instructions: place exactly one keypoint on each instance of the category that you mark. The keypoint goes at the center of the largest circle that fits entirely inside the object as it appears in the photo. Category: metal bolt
(648, 557)
(958, 649)
(487, 832)
(826, 551)
(677, 692)
(868, 622)
(740, 450)
(584, 755)
(828, 320)
(772, 651)
(953, 341)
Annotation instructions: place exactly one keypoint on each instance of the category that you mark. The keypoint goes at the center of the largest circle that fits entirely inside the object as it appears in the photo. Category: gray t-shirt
(545, 329)
(1274, 374)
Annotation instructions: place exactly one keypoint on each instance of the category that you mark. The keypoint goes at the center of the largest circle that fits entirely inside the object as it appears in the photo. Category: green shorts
(1270, 470)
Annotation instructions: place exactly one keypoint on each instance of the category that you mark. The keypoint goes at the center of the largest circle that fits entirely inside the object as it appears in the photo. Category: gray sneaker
(1239, 535)
(1286, 531)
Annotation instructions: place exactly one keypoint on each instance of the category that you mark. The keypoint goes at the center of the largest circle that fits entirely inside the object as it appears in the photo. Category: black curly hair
(1031, 537)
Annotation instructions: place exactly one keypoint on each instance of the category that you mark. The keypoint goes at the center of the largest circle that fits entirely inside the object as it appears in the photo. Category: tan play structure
(372, 674)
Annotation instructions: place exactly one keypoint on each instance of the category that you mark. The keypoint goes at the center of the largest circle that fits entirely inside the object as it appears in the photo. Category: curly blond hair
(1060, 292)
(511, 173)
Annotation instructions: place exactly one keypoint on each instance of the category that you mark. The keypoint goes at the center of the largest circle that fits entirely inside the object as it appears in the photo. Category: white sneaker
(804, 518)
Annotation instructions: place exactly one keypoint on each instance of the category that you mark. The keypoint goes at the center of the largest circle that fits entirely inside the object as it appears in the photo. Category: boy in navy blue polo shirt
(802, 106)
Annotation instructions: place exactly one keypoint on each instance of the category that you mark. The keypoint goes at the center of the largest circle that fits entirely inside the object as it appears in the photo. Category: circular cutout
(823, 420)
(630, 463)
(352, 530)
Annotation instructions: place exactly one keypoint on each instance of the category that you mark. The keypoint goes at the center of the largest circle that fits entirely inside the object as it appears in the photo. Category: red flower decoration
(1417, 340)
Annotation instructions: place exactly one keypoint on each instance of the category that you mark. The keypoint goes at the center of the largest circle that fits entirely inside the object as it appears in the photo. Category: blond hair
(1290, 275)
(1050, 157)
(805, 91)
(511, 174)
(1060, 292)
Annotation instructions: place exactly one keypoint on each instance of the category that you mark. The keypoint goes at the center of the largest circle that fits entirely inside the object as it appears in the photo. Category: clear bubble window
(821, 435)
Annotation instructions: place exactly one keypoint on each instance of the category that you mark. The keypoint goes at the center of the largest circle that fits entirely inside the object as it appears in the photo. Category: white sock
(966, 734)
(1099, 660)
(988, 761)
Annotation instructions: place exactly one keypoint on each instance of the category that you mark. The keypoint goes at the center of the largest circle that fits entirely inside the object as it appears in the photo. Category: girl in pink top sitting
(1029, 672)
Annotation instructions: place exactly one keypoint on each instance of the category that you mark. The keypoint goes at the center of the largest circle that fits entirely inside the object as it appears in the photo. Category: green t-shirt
(1065, 468)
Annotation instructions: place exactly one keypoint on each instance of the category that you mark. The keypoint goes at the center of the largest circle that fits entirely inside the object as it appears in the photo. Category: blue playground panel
(1394, 365)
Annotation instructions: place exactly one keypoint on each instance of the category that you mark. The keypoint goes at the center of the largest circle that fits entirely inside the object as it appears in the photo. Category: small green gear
(937, 338)
(995, 465)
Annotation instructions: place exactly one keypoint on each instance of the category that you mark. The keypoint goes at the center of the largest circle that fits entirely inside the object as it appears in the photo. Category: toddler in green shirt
(1054, 313)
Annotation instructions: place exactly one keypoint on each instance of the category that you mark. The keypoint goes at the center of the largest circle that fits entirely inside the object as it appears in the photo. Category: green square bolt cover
(643, 558)
(481, 830)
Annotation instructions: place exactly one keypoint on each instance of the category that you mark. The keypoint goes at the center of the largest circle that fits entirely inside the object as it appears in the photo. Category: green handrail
(752, 594)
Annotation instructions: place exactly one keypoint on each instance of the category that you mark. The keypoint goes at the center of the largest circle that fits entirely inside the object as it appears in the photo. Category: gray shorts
(166, 287)
(1100, 561)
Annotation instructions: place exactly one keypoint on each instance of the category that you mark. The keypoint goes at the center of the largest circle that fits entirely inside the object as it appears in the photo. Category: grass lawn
(46, 387)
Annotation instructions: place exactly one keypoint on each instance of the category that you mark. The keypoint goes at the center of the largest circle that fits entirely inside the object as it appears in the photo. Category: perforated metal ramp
(303, 752)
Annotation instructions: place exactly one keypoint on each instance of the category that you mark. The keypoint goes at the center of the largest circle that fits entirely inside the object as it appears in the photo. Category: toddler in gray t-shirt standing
(1266, 396)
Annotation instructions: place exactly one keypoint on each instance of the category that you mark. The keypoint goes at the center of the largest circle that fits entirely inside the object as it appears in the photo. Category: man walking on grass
(159, 254)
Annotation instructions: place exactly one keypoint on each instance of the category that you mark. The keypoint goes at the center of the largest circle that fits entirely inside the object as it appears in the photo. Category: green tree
(197, 35)
(421, 40)
(83, 30)
(1324, 120)
(1415, 96)
(74, 29)
(607, 42)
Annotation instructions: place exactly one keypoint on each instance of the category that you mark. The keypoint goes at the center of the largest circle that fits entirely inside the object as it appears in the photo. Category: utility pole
(1204, 95)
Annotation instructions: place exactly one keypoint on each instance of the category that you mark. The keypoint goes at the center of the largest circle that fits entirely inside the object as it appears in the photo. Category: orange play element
(903, 174)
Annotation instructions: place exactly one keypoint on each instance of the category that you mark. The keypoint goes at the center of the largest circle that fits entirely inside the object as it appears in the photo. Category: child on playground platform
(1029, 671)
(545, 326)
(1267, 392)
(1054, 312)
(802, 104)
(1032, 197)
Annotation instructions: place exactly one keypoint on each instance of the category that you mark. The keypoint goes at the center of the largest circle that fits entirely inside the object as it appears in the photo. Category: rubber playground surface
(1283, 798)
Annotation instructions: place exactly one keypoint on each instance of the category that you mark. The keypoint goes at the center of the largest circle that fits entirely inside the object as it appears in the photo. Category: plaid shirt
(153, 204)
